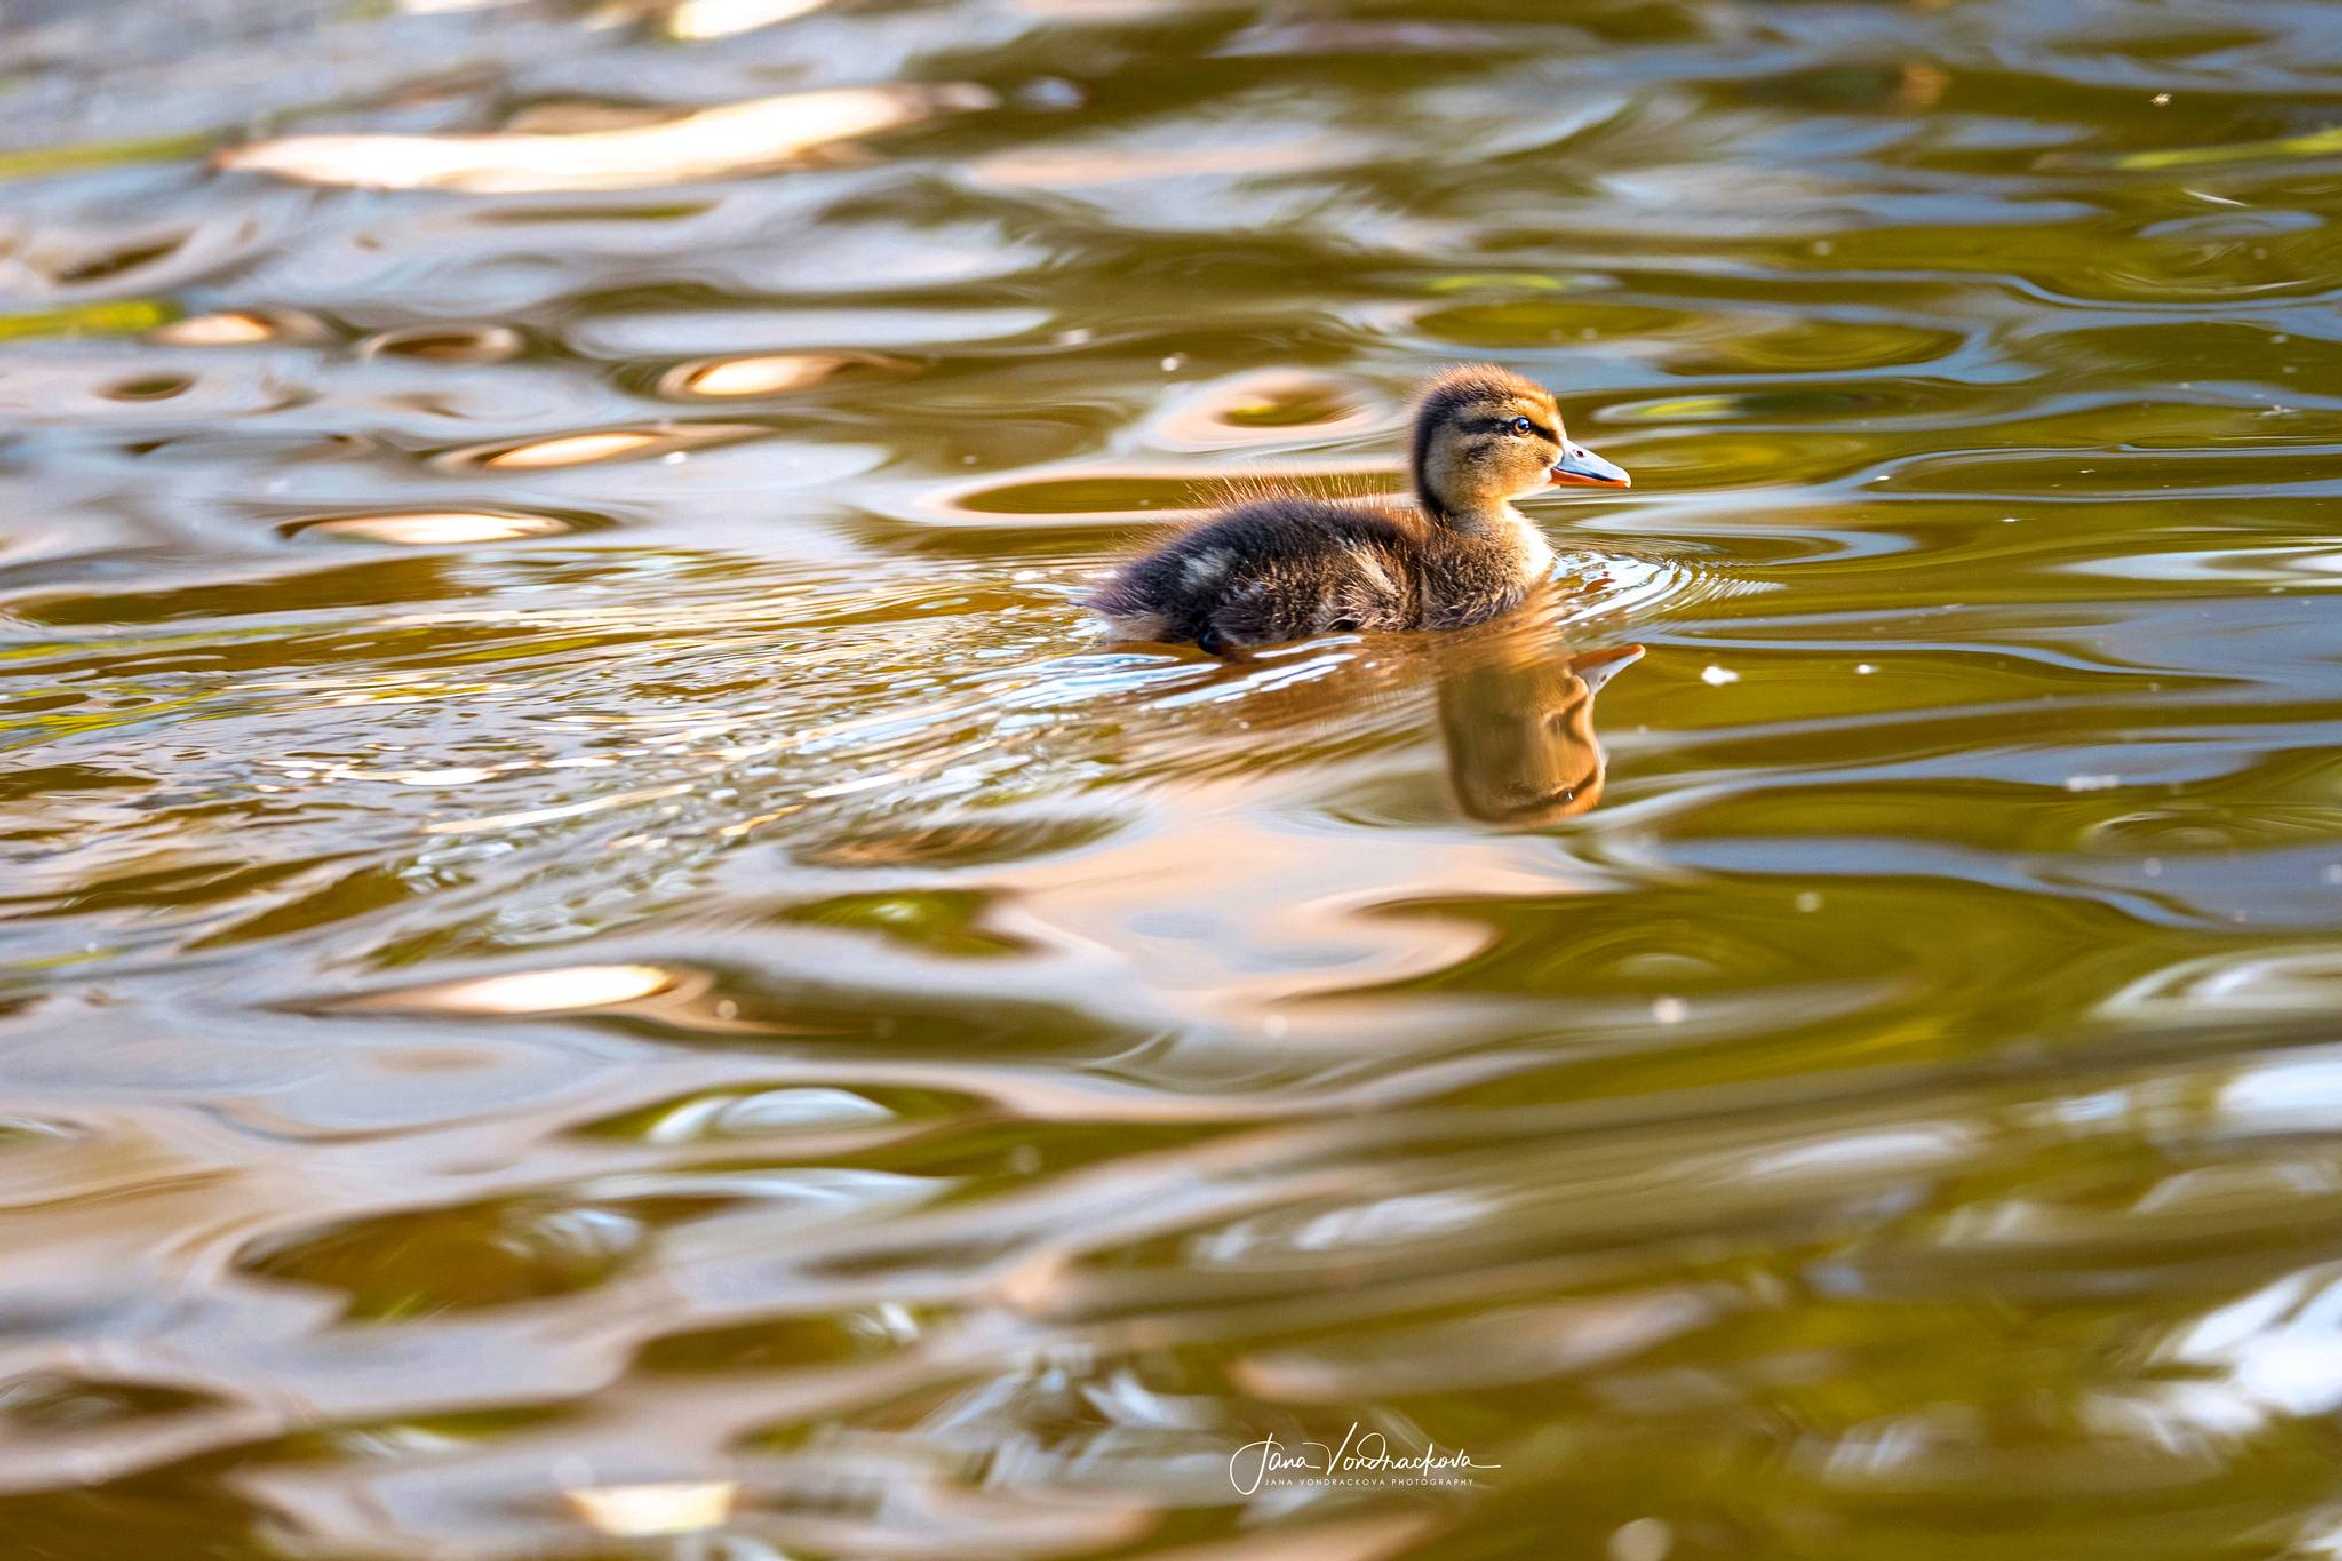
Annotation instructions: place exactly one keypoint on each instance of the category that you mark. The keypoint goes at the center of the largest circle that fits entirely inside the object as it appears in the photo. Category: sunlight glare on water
(597, 958)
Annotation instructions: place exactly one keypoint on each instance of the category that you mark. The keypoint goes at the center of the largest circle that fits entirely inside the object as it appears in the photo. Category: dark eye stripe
(1503, 425)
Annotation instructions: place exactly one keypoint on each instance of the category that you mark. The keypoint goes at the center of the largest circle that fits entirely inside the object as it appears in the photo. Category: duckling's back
(1275, 569)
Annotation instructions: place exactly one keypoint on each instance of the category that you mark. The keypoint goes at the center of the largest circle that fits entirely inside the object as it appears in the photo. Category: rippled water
(583, 909)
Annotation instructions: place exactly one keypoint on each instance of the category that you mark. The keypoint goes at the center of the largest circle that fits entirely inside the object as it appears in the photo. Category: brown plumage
(1288, 566)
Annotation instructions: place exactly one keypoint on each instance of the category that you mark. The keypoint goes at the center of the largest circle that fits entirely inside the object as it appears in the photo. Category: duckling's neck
(1494, 524)
(1485, 518)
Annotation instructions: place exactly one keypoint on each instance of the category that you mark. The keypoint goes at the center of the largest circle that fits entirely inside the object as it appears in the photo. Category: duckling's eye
(1521, 425)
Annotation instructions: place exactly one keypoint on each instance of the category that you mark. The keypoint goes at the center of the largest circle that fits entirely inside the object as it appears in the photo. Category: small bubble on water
(674, 458)
(1717, 677)
(2092, 782)
(1174, 362)
(1809, 902)
(1670, 1010)
(2152, 867)
(1863, 669)
(2162, 100)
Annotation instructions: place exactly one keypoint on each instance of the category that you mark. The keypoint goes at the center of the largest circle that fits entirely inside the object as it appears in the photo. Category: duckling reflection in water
(1514, 713)
(1289, 566)
(1518, 723)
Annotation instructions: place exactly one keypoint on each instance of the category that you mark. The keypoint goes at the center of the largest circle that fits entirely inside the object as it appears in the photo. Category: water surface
(584, 910)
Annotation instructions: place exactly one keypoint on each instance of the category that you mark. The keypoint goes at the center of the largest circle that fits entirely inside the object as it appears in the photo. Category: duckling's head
(1484, 436)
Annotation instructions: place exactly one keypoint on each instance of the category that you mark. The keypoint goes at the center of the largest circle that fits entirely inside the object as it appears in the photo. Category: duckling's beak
(1580, 467)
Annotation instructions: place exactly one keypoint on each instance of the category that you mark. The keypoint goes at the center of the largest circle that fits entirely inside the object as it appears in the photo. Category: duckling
(1286, 567)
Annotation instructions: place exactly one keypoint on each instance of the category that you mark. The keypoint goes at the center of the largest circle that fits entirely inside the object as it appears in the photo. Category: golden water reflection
(710, 143)
(544, 991)
(598, 959)
(771, 373)
(702, 19)
(434, 528)
(616, 444)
